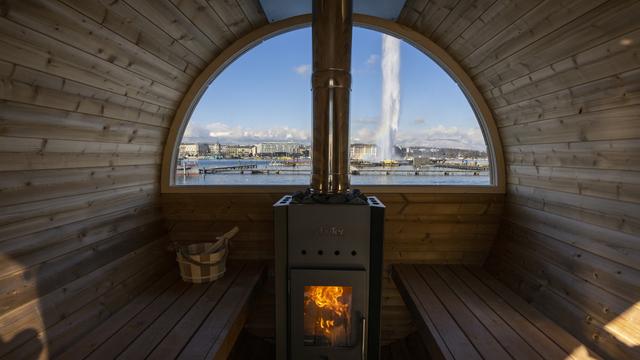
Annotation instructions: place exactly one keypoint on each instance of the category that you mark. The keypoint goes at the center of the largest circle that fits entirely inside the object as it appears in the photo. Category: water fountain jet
(390, 113)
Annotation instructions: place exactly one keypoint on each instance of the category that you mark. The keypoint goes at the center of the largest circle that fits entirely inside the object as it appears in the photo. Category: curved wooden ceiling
(89, 89)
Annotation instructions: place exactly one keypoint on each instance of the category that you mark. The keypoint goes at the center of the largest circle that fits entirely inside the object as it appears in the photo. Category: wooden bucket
(204, 262)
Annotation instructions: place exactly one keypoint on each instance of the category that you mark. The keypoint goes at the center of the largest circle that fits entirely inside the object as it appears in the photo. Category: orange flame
(328, 298)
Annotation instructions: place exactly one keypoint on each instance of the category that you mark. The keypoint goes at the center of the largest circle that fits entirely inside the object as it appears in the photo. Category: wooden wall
(88, 89)
(563, 81)
(419, 228)
(87, 92)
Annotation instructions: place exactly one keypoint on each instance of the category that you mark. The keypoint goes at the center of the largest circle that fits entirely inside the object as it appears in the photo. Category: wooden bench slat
(553, 331)
(227, 337)
(475, 331)
(463, 307)
(103, 332)
(180, 335)
(532, 335)
(147, 341)
(119, 341)
(517, 347)
(430, 337)
(172, 318)
(215, 334)
(432, 311)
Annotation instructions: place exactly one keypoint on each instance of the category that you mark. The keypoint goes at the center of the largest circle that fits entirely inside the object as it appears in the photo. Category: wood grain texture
(88, 90)
(561, 78)
(87, 93)
(423, 228)
(470, 315)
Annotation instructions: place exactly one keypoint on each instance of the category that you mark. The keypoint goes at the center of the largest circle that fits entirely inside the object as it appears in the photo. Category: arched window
(411, 123)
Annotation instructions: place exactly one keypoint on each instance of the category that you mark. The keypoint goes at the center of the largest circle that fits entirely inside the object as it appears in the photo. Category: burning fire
(329, 300)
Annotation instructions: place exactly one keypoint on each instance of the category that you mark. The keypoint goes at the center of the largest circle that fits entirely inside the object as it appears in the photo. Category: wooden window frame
(255, 37)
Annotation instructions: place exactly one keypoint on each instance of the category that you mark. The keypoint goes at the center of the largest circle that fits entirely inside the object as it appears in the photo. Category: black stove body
(328, 279)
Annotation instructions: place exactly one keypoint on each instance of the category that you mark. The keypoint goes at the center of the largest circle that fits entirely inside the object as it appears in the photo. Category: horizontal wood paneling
(41, 324)
(71, 27)
(596, 155)
(20, 286)
(21, 253)
(23, 85)
(419, 228)
(88, 90)
(592, 28)
(615, 56)
(562, 79)
(23, 186)
(584, 296)
(19, 120)
(125, 20)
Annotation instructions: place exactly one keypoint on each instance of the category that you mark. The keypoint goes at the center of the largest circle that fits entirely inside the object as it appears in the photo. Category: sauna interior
(543, 263)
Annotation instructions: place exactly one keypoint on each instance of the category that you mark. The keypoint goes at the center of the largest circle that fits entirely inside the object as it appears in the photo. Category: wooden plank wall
(563, 81)
(87, 92)
(419, 228)
(88, 89)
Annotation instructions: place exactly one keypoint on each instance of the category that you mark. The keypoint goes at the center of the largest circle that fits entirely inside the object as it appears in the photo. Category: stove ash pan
(328, 279)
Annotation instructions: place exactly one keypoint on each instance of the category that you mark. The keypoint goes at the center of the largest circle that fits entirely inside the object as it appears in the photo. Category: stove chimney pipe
(331, 82)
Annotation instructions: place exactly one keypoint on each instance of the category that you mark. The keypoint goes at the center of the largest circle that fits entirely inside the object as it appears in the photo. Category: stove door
(328, 314)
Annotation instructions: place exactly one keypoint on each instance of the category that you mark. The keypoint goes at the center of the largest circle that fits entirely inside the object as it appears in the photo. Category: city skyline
(437, 139)
(294, 148)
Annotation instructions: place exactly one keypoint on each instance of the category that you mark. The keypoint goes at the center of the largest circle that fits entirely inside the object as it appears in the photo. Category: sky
(265, 95)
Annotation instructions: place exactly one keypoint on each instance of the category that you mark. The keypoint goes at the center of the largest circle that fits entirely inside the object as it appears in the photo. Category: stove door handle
(364, 337)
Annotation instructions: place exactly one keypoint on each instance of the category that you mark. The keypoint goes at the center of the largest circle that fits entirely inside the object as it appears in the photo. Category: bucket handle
(222, 241)
(188, 258)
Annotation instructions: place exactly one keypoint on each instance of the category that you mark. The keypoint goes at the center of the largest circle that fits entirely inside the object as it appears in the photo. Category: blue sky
(265, 95)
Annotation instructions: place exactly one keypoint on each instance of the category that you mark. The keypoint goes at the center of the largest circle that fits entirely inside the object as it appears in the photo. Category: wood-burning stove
(328, 279)
(329, 239)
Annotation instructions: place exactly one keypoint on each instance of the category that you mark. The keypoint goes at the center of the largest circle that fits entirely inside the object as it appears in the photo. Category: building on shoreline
(276, 148)
(361, 152)
(237, 151)
(215, 149)
(420, 155)
(192, 149)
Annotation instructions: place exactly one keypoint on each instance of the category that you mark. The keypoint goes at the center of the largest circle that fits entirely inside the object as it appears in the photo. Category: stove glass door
(328, 313)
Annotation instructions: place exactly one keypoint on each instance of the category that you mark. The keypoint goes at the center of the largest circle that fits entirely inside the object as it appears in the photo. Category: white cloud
(439, 136)
(304, 69)
(372, 59)
(194, 130)
(224, 133)
(364, 135)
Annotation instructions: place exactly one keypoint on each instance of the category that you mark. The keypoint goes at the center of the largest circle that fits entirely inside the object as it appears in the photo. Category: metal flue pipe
(331, 81)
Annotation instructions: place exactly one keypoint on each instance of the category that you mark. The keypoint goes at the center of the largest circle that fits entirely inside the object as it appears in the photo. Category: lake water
(300, 175)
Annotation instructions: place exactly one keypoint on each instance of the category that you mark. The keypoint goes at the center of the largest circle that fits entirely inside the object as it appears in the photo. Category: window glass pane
(410, 122)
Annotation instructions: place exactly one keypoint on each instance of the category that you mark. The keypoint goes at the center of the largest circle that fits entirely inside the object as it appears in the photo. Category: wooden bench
(464, 313)
(174, 319)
